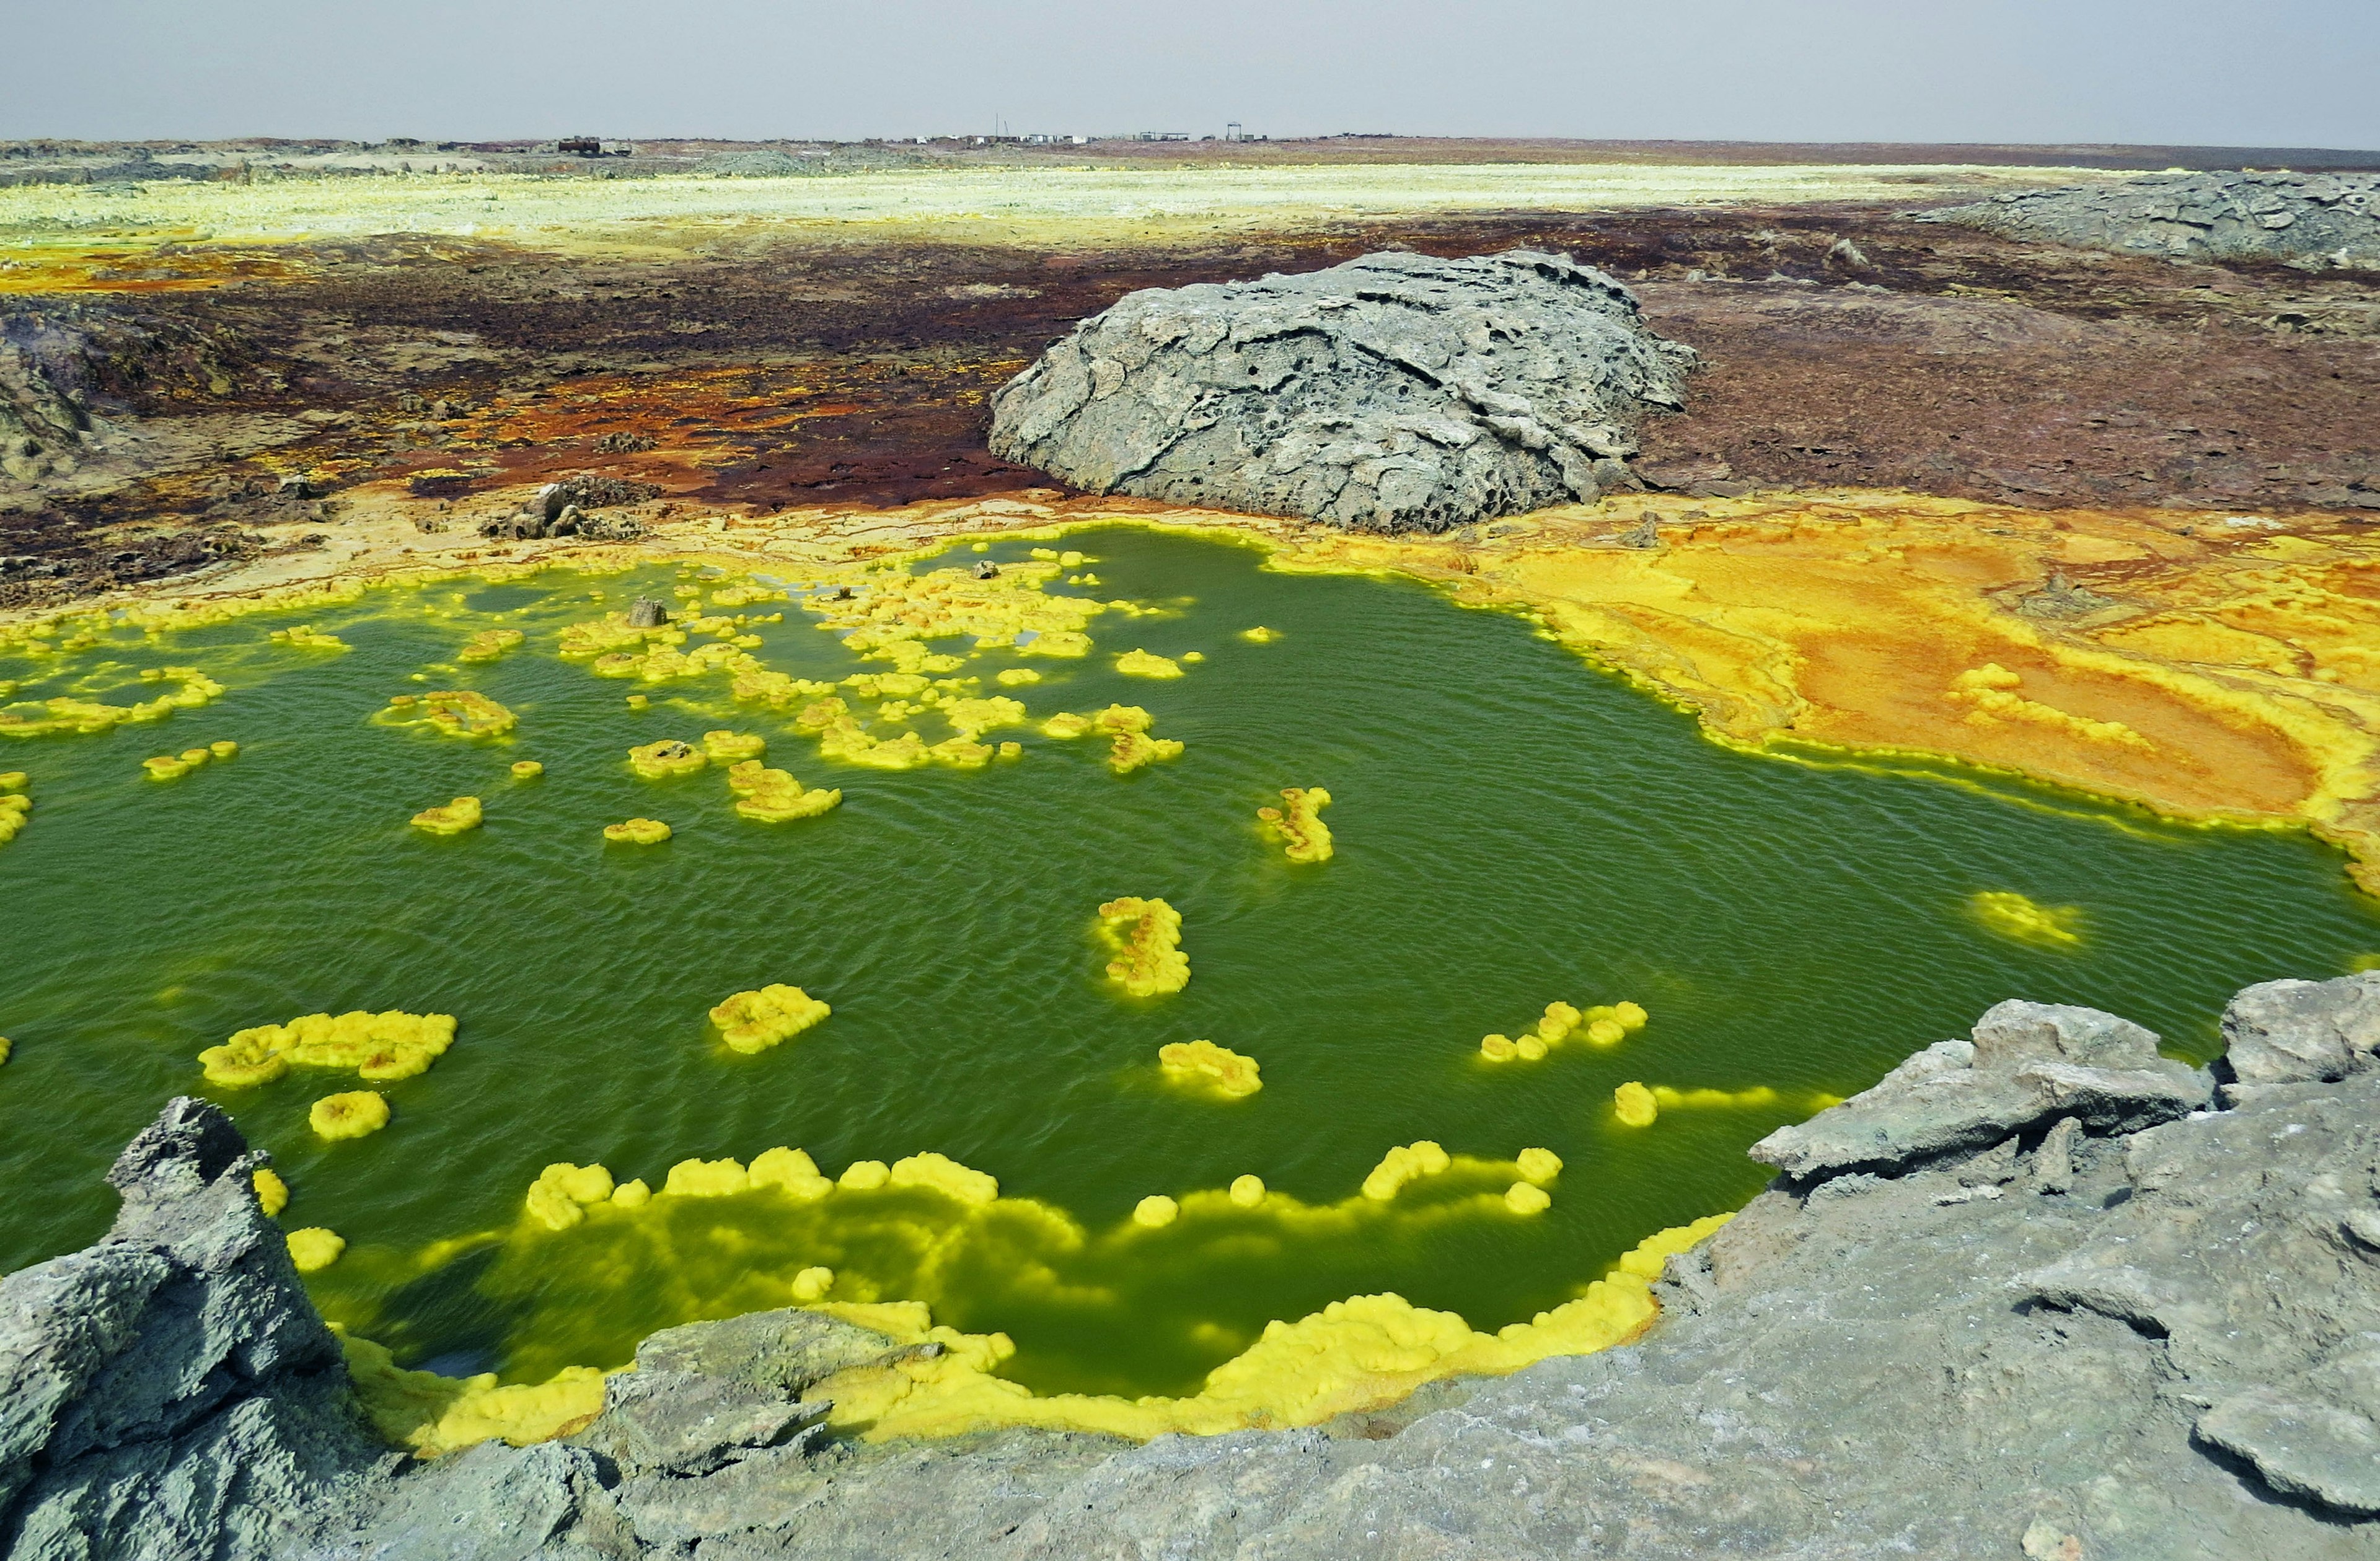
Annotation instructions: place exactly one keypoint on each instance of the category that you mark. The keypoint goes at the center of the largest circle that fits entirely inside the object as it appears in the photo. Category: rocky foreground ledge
(2040, 1293)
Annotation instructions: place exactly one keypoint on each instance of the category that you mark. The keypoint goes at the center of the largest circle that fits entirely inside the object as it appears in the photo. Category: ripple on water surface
(1511, 828)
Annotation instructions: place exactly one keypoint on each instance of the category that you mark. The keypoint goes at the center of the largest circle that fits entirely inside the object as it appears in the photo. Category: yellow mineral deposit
(1538, 1165)
(1128, 751)
(526, 769)
(728, 748)
(314, 1247)
(1759, 1096)
(67, 716)
(435, 1415)
(1357, 1354)
(1404, 1165)
(1636, 1105)
(1142, 664)
(272, 1193)
(378, 1047)
(1156, 1212)
(1602, 1026)
(1989, 692)
(811, 1284)
(356, 1114)
(1260, 635)
(668, 756)
(2013, 916)
(169, 766)
(1247, 1191)
(7, 1049)
(1015, 677)
(306, 636)
(773, 796)
(16, 804)
(464, 712)
(558, 1199)
(1146, 936)
(449, 818)
(1204, 1067)
(972, 717)
(224, 749)
(1527, 1197)
(490, 645)
(638, 702)
(753, 1022)
(1299, 826)
(637, 832)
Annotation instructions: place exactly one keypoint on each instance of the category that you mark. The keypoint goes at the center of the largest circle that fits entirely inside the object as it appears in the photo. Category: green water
(1513, 828)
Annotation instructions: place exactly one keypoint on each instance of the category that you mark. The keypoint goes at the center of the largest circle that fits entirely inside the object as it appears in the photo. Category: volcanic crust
(2037, 1292)
(1394, 393)
(2314, 221)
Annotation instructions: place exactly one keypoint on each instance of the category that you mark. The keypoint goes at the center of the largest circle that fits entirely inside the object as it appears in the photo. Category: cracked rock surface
(2314, 221)
(1393, 392)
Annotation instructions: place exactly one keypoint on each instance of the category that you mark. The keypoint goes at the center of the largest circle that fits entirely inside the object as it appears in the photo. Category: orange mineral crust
(2212, 667)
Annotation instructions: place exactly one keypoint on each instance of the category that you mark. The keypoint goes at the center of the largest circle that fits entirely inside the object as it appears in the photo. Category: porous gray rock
(2314, 221)
(646, 613)
(2027, 1066)
(170, 1391)
(1394, 393)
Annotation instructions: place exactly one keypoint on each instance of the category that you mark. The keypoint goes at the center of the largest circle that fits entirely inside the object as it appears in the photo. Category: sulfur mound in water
(83, 718)
(637, 832)
(1147, 938)
(2013, 915)
(657, 761)
(1299, 826)
(1605, 1024)
(378, 1047)
(16, 802)
(753, 1022)
(490, 645)
(1394, 393)
(457, 712)
(773, 796)
(449, 818)
(1207, 1069)
(356, 1114)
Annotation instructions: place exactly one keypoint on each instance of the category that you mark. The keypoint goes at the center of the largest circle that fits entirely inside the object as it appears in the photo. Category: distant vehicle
(589, 145)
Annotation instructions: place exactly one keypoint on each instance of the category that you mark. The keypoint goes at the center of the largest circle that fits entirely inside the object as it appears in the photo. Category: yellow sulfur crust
(435, 1415)
(356, 1114)
(272, 1193)
(464, 712)
(449, 818)
(1636, 1105)
(753, 1022)
(637, 832)
(489, 645)
(1204, 1067)
(1602, 1026)
(86, 717)
(772, 796)
(2012, 915)
(1299, 826)
(378, 1047)
(314, 1247)
(667, 756)
(1142, 664)
(1146, 936)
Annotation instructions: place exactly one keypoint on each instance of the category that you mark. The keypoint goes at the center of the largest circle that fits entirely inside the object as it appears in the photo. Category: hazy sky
(2229, 72)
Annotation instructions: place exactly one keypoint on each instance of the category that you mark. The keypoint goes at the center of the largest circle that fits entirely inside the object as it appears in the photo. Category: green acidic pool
(1512, 829)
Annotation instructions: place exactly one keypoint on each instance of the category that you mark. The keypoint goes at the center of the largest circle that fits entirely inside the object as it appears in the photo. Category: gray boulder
(2313, 221)
(2297, 1031)
(2029, 1066)
(170, 1391)
(1395, 392)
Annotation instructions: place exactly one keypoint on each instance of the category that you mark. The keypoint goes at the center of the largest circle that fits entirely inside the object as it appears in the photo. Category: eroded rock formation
(1395, 392)
(2316, 220)
(170, 1392)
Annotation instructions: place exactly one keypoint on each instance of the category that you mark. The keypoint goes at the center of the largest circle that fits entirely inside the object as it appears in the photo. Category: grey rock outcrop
(1394, 393)
(2315, 221)
(170, 1392)
(2029, 1066)
(2293, 1032)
